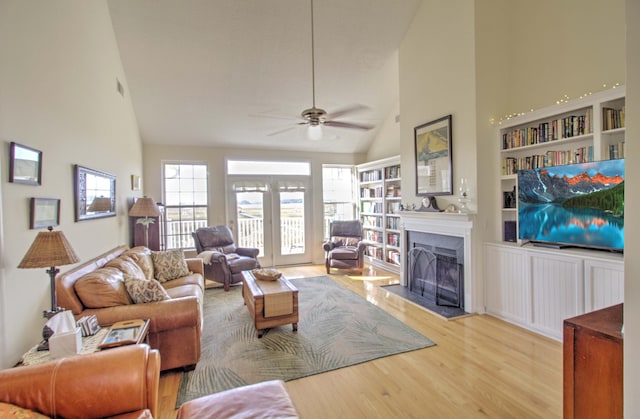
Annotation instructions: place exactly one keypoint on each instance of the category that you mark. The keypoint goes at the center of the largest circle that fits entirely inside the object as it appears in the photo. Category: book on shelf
(612, 118)
(370, 176)
(392, 172)
(556, 129)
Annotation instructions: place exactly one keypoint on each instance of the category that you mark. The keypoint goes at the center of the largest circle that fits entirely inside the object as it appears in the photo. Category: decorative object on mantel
(429, 204)
(25, 164)
(463, 196)
(433, 153)
(49, 249)
(145, 207)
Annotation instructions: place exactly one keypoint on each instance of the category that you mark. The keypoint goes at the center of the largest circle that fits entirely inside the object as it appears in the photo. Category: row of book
(373, 236)
(394, 191)
(616, 151)
(392, 172)
(393, 207)
(393, 223)
(557, 129)
(374, 252)
(371, 221)
(371, 207)
(393, 239)
(370, 176)
(511, 165)
(375, 192)
(612, 118)
(394, 257)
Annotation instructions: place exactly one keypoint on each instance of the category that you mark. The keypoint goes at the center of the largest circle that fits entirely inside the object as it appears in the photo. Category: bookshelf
(380, 199)
(582, 130)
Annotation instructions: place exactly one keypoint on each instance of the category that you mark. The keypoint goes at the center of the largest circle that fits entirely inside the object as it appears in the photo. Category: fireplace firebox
(436, 268)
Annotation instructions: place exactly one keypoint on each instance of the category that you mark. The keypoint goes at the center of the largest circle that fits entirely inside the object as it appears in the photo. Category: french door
(271, 213)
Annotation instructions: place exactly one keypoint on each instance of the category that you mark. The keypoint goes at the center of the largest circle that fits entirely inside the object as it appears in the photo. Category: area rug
(337, 328)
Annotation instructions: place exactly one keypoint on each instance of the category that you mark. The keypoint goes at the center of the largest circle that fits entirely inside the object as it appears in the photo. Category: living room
(58, 96)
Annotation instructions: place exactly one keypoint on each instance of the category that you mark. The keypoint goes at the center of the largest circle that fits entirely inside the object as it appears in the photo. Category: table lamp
(49, 249)
(145, 207)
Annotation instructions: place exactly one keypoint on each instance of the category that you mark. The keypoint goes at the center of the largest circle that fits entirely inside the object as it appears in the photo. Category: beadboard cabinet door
(507, 293)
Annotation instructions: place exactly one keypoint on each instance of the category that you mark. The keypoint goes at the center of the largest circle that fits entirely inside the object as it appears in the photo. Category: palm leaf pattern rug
(337, 328)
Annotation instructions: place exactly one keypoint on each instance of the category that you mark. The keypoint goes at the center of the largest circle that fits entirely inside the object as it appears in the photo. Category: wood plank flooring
(481, 367)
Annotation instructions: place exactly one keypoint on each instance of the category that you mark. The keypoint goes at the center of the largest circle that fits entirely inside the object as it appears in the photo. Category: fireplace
(454, 238)
(436, 268)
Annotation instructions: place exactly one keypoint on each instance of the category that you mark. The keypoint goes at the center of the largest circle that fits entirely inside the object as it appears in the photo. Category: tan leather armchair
(345, 248)
(223, 260)
(120, 382)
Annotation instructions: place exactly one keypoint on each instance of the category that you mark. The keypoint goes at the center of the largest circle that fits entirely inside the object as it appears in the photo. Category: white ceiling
(228, 73)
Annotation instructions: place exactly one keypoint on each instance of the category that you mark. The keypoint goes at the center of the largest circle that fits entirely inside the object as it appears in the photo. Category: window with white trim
(186, 202)
(338, 194)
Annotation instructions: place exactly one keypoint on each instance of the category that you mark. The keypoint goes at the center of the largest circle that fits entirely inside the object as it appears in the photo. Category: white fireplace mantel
(446, 224)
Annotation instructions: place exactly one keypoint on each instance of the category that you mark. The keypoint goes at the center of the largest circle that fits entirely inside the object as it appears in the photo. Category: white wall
(58, 94)
(632, 223)
(154, 155)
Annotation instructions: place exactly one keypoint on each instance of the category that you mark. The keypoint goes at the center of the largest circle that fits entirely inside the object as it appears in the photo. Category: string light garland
(564, 99)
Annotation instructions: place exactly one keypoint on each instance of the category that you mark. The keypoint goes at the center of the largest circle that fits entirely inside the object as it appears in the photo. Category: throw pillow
(127, 266)
(8, 410)
(142, 257)
(145, 290)
(101, 288)
(169, 264)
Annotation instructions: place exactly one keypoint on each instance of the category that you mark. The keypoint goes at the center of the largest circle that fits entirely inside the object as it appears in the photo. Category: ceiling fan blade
(346, 110)
(352, 125)
(281, 131)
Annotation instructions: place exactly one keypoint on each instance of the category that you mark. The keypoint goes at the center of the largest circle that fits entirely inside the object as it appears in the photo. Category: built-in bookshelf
(380, 199)
(582, 130)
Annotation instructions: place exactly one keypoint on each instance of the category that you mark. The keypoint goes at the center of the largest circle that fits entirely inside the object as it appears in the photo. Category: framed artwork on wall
(25, 164)
(136, 183)
(434, 171)
(45, 212)
(95, 193)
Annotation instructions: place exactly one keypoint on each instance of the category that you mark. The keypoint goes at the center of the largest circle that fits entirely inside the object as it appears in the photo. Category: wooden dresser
(593, 364)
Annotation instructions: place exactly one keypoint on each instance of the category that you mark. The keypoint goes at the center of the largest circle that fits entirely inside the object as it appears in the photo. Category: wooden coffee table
(254, 292)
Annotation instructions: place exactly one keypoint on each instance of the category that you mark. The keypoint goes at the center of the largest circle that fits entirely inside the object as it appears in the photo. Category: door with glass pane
(270, 214)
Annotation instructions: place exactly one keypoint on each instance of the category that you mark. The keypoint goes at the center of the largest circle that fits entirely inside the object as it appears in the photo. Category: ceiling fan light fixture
(314, 132)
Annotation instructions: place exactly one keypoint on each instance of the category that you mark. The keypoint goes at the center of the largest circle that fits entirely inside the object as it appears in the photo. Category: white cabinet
(380, 199)
(538, 288)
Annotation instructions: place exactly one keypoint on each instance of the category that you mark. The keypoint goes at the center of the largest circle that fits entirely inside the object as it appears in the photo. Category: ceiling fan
(316, 117)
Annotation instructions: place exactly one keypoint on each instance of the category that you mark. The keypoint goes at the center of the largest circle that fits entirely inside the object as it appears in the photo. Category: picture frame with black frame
(433, 157)
(44, 212)
(25, 164)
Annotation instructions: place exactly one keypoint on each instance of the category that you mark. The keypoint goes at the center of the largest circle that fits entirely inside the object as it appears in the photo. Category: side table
(89, 345)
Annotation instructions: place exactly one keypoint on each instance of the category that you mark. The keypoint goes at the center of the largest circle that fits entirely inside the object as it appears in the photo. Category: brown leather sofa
(120, 382)
(175, 324)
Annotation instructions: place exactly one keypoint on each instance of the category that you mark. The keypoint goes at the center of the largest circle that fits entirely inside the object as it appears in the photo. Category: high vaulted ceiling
(228, 73)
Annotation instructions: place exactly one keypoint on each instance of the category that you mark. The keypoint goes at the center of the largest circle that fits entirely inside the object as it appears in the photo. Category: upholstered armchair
(345, 248)
(223, 261)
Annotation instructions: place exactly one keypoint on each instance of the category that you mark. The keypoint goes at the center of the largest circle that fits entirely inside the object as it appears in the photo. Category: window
(338, 191)
(186, 203)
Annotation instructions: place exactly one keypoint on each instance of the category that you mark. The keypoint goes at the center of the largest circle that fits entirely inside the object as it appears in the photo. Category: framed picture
(135, 183)
(434, 171)
(45, 212)
(95, 193)
(25, 164)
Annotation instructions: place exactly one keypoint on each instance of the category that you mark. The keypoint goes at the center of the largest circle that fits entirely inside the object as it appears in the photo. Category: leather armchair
(120, 382)
(223, 260)
(345, 248)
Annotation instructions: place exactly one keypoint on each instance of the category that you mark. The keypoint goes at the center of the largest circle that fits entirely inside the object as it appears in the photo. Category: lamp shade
(100, 204)
(144, 207)
(50, 248)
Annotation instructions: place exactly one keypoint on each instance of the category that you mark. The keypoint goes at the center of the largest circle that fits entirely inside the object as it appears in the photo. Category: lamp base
(47, 314)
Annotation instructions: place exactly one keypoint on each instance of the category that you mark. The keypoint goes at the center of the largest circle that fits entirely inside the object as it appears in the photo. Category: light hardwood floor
(481, 367)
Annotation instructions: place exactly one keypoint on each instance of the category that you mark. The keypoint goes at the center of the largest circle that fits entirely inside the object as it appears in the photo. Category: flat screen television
(579, 205)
